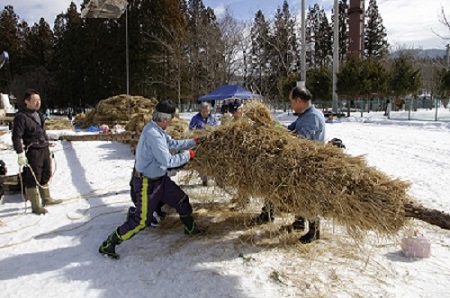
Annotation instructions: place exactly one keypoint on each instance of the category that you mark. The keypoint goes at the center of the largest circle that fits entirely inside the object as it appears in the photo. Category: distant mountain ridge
(430, 53)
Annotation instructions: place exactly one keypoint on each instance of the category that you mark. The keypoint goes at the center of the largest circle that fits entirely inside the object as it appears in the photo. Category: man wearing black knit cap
(150, 182)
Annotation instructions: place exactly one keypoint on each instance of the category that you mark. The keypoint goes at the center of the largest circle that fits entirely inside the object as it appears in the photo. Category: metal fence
(421, 109)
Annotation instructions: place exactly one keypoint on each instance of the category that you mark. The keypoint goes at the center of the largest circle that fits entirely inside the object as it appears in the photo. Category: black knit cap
(166, 106)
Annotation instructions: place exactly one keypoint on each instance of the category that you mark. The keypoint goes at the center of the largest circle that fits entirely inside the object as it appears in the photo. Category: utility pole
(303, 53)
(127, 63)
(448, 55)
(335, 55)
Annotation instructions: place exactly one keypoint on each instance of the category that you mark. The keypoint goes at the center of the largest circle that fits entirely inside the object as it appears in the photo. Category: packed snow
(56, 255)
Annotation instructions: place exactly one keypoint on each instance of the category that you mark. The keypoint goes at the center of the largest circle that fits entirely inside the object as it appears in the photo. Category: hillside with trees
(181, 50)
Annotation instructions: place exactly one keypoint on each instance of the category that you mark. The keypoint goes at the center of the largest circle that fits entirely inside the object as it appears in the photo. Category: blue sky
(409, 23)
(246, 9)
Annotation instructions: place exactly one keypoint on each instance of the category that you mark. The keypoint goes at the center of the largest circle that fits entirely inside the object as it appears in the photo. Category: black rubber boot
(299, 224)
(190, 228)
(313, 233)
(108, 246)
(265, 216)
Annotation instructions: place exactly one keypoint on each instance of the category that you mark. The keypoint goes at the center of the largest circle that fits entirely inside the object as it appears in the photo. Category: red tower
(356, 28)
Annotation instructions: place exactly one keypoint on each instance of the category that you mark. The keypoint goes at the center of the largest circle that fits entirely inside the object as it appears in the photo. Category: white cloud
(32, 10)
(411, 22)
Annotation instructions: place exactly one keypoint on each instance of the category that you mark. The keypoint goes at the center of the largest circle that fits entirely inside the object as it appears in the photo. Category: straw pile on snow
(58, 124)
(133, 113)
(299, 176)
(179, 129)
(117, 110)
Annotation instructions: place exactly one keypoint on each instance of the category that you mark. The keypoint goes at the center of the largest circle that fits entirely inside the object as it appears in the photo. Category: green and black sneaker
(109, 249)
(108, 246)
(194, 231)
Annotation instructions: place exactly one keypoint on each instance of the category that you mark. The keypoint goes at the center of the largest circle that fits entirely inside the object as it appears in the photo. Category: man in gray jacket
(310, 124)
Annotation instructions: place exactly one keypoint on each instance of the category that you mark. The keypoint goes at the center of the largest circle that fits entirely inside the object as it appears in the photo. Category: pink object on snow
(415, 245)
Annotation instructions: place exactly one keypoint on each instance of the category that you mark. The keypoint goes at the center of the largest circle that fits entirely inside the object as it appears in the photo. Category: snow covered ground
(56, 255)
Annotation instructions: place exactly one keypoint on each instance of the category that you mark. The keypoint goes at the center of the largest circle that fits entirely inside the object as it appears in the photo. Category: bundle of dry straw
(58, 124)
(302, 177)
(118, 109)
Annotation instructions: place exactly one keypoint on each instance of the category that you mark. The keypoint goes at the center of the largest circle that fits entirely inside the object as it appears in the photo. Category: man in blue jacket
(203, 118)
(151, 183)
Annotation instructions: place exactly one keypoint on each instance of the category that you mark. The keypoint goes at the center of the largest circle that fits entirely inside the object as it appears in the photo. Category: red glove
(191, 153)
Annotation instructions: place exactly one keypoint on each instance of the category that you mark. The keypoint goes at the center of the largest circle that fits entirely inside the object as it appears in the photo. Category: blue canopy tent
(229, 91)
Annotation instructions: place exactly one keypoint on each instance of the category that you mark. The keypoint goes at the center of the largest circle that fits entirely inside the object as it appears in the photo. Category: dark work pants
(148, 194)
(39, 160)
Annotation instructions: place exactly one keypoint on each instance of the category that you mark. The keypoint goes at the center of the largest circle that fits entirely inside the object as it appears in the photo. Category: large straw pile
(133, 112)
(302, 177)
(118, 109)
(58, 124)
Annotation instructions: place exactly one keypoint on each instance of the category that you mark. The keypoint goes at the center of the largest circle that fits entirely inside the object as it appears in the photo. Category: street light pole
(335, 55)
(303, 53)
(448, 55)
(127, 63)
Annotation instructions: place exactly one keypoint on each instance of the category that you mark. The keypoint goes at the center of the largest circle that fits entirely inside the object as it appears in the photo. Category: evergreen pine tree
(375, 37)
(260, 53)
(284, 53)
(404, 79)
(69, 60)
(11, 41)
(319, 33)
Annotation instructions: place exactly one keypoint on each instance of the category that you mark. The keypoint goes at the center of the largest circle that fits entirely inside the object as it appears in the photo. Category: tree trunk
(431, 216)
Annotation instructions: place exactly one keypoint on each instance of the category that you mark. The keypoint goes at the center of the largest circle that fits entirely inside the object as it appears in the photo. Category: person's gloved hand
(22, 159)
(191, 153)
(337, 142)
(200, 139)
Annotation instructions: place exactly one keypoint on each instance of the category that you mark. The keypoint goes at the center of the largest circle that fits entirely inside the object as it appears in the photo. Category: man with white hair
(151, 184)
(201, 120)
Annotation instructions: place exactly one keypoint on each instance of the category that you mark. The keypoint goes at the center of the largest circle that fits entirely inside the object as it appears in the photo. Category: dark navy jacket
(28, 130)
(197, 122)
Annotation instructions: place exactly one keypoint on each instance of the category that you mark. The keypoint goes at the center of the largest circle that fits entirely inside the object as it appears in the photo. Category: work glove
(337, 142)
(22, 159)
(191, 153)
(200, 139)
